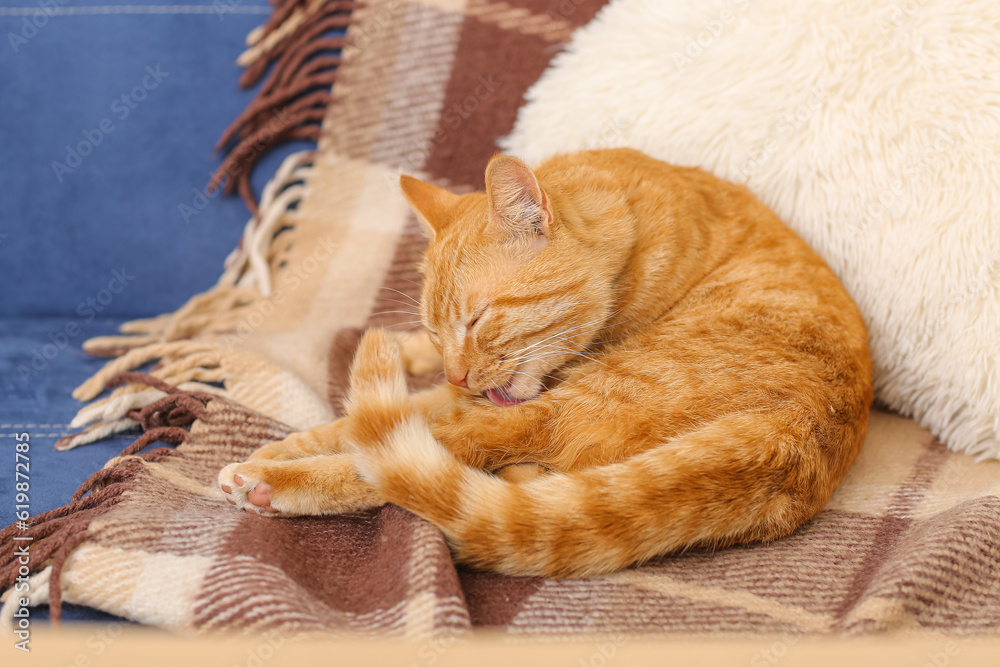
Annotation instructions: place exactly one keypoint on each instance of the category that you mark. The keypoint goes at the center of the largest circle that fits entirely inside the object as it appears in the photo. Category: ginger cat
(640, 358)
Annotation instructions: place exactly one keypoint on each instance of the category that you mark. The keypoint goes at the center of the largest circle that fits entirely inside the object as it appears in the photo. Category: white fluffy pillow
(871, 127)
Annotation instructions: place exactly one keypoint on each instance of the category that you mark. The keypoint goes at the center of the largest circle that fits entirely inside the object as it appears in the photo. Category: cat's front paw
(245, 488)
(280, 450)
(418, 354)
(311, 486)
(377, 374)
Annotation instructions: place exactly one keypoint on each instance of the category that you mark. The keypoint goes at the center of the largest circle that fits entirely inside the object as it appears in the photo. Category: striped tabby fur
(641, 358)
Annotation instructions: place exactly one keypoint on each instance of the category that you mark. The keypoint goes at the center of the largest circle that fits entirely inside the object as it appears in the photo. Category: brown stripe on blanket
(945, 569)
(894, 523)
(345, 342)
(396, 308)
(795, 568)
(495, 599)
(523, 18)
(410, 115)
(487, 85)
(350, 573)
(386, 112)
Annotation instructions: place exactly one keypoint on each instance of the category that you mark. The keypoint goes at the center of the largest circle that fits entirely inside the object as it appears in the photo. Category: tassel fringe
(56, 533)
(292, 100)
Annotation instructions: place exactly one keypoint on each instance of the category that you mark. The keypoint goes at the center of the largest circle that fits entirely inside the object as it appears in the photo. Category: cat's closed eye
(475, 318)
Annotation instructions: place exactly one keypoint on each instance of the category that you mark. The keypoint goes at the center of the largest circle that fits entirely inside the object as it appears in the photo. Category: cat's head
(513, 286)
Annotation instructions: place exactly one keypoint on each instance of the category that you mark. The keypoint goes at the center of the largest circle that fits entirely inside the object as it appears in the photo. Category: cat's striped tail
(575, 524)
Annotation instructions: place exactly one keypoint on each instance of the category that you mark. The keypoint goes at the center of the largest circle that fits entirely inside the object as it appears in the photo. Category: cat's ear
(518, 205)
(431, 203)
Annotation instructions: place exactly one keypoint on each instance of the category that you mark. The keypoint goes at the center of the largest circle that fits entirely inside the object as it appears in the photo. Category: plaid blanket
(910, 541)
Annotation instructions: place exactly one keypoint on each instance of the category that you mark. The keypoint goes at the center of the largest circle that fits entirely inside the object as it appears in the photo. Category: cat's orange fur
(652, 360)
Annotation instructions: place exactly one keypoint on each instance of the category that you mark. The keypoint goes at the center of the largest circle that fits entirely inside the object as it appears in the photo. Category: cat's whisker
(415, 301)
(576, 303)
(412, 282)
(530, 374)
(596, 361)
(539, 356)
(401, 324)
(544, 353)
(564, 332)
(565, 339)
(401, 312)
(402, 303)
(555, 335)
(545, 349)
(556, 352)
(562, 339)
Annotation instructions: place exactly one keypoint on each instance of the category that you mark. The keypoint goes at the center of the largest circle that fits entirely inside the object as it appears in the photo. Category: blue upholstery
(39, 404)
(93, 234)
(119, 206)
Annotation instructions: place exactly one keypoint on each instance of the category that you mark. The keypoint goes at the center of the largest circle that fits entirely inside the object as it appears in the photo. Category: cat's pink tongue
(500, 397)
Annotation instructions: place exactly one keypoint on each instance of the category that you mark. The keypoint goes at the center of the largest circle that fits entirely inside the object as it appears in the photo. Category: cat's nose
(457, 376)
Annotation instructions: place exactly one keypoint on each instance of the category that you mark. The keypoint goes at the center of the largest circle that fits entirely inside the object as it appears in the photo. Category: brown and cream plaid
(910, 541)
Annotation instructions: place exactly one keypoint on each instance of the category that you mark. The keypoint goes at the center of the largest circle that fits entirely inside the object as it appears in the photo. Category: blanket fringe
(189, 366)
(38, 593)
(118, 412)
(302, 40)
(166, 352)
(54, 535)
(245, 281)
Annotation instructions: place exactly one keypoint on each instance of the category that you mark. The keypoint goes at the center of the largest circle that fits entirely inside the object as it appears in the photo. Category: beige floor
(93, 646)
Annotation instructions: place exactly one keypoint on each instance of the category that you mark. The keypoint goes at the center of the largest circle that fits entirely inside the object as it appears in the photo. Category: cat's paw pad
(245, 489)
